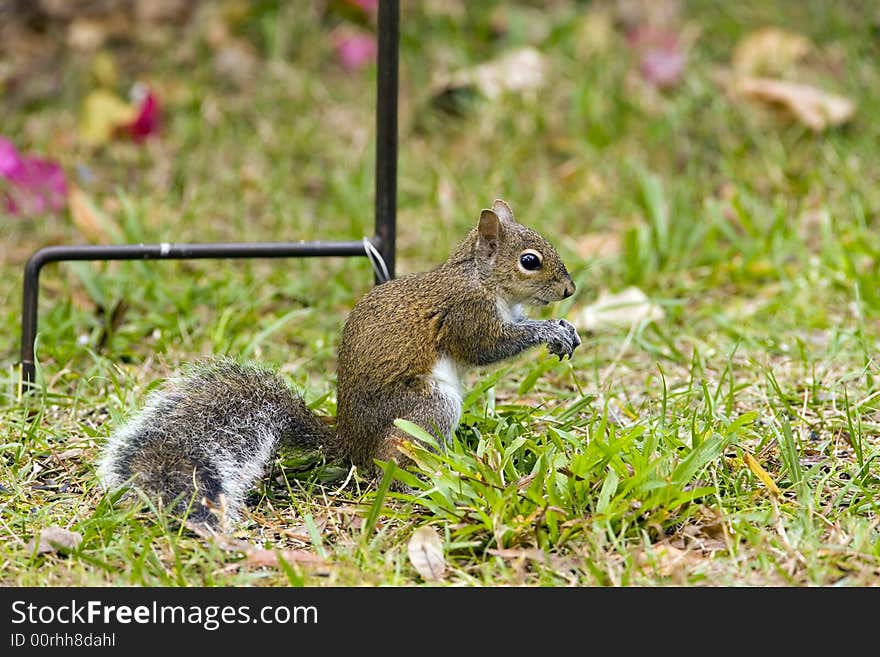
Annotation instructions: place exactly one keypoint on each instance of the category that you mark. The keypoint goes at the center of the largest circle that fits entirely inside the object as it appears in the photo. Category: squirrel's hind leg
(439, 417)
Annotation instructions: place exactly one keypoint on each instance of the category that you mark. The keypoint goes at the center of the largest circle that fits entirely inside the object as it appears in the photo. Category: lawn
(730, 438)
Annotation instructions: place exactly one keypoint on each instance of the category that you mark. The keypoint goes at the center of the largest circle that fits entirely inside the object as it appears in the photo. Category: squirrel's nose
(569, 289)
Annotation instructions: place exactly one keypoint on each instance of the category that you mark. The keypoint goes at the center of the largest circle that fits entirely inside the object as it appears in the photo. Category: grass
(734, 442)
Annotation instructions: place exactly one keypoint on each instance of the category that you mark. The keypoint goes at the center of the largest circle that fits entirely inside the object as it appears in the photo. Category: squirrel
(204, 439)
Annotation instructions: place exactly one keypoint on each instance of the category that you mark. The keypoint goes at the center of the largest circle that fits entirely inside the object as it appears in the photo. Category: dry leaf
(425, 550)
(667, 560)
(815, 108)
(692, 538)
(557, 563)
(706, 531)
(257, 557)
(254, 556)
(762, 474)
(712, 521)
(94, 225)
(301, 532)
(54, 539)
(512, 553)
(517, 71)
(624, 308)
(72, 454)
(769, 51)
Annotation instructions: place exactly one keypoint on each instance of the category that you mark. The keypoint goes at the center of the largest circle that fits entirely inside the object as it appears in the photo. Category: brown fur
(210, 434)
(399, 330)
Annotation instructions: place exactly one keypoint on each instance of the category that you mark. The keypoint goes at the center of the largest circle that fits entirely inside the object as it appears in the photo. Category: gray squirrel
(204, 439)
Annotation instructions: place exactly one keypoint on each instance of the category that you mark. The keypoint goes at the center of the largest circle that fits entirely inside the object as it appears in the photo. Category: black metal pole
(386, 130)
(166, 251)
(385, 208)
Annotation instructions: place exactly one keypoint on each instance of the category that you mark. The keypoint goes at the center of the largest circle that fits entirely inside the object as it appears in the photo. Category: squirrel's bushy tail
(202, 440)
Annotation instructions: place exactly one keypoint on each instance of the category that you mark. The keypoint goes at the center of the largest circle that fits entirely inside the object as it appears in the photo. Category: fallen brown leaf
(518, 553)
(94, 225)
(557, 563)
(270, 558)
(301, 532)
(815, 108)
(254, 556)
(667, 560)
(517, 71)
(694, 537)
(624, 308)
(712, 522)
(54, 539)
(425, 550)
(72, 454)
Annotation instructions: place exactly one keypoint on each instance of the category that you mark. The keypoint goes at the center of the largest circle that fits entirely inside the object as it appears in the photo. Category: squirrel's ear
(489, 231)
(502, 210)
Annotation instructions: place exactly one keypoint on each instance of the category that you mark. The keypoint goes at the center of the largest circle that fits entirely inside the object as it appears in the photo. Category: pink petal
(35, 185)
(367, 6)
(10, 159)
(147, 121)
(662, 67)
(355, 51)
(661, 59)
(42, 186)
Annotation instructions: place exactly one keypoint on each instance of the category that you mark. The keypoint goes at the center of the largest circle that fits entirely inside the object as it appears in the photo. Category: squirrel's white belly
(447, 382)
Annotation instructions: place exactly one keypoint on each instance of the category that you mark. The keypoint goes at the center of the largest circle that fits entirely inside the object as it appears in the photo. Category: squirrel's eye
(530, 261)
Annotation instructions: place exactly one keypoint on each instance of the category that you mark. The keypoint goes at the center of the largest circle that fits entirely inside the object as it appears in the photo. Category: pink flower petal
(147, 121)
(661, 67)
(34, 185)
(10, 159)
(367, 6)
(355, 51)
(42, 186)
(661, 59)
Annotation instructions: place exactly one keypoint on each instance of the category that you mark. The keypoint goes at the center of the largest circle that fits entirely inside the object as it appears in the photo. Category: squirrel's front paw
(565, 339)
